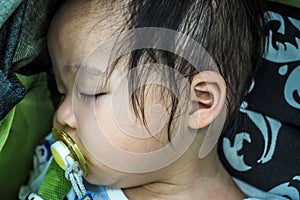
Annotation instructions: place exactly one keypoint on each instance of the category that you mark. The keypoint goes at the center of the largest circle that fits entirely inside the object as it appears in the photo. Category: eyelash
(88, 98)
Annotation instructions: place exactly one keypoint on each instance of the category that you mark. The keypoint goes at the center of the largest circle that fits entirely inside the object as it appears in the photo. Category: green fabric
(20, 132)
(32, 42)
(55, 186)
(5, 126)
(7, 7)
(295, 3)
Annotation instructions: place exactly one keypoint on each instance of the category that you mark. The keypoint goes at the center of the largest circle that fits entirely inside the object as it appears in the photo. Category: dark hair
(231, 31)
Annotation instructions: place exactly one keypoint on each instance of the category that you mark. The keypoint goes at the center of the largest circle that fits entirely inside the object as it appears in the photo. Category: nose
(64, 117)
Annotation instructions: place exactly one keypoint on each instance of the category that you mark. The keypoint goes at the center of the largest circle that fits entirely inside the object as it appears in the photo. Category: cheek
(121, 128)
(114, 144)
(99, 173)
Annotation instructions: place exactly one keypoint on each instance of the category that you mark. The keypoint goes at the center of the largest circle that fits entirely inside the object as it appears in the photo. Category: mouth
(65, 146)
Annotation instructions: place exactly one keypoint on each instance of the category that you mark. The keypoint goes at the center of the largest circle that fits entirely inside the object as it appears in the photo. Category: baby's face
(117, 146)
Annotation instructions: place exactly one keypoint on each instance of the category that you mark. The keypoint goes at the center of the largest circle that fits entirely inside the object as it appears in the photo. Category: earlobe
(208, 94)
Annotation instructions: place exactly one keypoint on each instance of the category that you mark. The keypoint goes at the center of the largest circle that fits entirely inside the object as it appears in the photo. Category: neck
(195, 180)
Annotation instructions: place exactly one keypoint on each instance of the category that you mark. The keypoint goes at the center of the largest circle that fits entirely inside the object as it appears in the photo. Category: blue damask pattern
(265, 151)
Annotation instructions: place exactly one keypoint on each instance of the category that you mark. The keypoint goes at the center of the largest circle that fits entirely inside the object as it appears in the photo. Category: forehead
(78, 28)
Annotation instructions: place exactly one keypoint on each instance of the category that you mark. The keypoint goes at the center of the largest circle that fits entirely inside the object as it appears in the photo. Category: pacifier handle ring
(61, 135)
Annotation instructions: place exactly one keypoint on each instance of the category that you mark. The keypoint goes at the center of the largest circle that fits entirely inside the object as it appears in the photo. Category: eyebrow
(88, 70)
(70, 68)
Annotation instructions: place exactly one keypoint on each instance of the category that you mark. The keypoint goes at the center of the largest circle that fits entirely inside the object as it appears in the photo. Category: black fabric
(268, 96)
(11, 89)
(265, 150)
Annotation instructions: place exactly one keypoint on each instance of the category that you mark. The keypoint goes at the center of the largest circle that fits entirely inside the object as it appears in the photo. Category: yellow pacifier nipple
(65, 146)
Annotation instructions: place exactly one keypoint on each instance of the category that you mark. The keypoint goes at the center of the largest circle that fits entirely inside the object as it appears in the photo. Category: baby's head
(142, 109)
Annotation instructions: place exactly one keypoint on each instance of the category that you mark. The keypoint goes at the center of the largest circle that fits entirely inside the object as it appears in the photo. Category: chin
(90, 180)
(100, 180)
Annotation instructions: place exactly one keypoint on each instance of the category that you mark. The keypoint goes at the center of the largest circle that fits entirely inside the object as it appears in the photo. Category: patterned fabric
(99, 192)
(47, 178)
(11, 89)
(7, 7)
(265, 151)
(32, 42)
(22, 41)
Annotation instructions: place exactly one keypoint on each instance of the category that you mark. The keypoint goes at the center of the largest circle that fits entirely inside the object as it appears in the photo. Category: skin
(72, 36)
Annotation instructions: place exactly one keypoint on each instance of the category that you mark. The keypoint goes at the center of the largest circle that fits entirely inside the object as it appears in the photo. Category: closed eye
(89, 98)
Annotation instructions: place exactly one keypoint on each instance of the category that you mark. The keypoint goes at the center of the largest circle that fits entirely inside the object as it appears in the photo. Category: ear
(208, 94)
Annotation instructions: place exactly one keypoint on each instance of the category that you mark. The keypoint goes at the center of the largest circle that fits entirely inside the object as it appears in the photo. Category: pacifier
(65, 146)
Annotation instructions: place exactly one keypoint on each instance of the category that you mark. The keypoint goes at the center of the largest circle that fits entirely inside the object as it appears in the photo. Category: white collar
(115, 194)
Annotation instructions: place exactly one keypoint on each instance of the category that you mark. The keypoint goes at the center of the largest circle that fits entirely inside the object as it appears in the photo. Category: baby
(146, 90)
